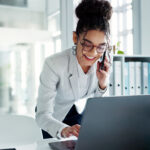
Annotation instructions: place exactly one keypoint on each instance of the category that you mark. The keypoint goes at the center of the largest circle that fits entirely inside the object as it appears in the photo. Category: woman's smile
(89, 58)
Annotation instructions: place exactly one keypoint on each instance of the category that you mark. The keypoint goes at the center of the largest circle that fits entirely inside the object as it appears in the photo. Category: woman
(72, 75)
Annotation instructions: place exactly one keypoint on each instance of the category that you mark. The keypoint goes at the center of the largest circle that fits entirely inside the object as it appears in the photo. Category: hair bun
(94, 8)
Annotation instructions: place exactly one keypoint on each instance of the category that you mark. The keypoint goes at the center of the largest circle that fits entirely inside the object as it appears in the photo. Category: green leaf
(120, 52)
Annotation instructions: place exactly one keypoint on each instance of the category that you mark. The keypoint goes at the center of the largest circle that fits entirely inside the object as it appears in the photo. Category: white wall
(31, 17)
(141, 27)
(52, 6)
(20, 18)
(145, 27)
(37, 5)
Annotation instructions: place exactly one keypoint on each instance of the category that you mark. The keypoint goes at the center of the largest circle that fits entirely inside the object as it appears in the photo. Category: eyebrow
(92, 42)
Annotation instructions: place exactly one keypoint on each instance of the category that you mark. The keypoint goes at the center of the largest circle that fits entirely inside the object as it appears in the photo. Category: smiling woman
(91, 47)
(74, 75)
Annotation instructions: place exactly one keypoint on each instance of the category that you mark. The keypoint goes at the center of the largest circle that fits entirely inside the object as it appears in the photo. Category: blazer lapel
(93, 81)
(73, 75)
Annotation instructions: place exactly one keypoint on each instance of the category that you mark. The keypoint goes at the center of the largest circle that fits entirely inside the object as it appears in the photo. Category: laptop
(113, 123)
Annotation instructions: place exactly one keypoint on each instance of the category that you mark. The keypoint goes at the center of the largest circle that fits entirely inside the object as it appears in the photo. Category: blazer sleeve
(99, 92)
(45, 101)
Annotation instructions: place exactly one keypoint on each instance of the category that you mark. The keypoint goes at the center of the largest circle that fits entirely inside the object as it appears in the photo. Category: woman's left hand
(103, 75)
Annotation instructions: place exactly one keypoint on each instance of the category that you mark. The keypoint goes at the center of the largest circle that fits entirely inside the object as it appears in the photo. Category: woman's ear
(75, 37)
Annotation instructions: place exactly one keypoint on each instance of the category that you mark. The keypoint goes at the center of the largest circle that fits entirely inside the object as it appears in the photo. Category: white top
(84, 83)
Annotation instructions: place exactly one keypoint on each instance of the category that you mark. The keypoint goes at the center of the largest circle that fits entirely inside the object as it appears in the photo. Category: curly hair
(93, 15)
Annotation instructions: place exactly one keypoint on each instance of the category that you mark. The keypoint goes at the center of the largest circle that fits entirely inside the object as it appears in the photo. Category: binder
(126, 78)
(148, 78)
(131, 78)
(138, 77)
(117, 78)
(111, 85)
(145, 78)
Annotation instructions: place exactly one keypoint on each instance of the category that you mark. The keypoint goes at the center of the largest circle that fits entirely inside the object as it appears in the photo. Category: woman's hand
(103, 75)
(69, 131)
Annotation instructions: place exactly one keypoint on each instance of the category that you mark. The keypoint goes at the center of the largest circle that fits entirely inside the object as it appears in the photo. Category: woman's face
(87, 47)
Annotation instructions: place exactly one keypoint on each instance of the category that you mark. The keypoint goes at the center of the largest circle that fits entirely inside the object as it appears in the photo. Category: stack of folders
(115, 80)
(146, 78)
(126, 78)
(133, 78)
(111, 85)
(138, 79)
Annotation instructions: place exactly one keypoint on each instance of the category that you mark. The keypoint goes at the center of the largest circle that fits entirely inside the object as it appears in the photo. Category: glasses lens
(101, 48)
(87, 46)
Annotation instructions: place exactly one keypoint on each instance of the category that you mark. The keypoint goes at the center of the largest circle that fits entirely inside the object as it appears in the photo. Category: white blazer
(59, 90)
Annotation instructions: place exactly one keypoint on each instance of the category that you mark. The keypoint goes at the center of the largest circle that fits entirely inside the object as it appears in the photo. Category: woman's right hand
(71, 131)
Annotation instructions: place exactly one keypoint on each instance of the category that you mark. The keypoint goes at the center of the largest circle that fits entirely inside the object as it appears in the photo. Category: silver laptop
(115, 123)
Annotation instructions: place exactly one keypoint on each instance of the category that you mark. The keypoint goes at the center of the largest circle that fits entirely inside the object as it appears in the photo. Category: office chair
(16, 129)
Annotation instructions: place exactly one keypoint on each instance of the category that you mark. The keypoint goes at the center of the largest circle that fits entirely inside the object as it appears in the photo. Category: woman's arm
(46, 100)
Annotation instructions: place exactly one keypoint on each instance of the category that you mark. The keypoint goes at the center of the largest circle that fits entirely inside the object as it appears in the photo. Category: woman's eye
(87, 44)
(102, 47)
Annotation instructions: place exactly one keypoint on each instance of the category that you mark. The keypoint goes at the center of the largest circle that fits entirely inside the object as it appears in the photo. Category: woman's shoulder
(60, 59)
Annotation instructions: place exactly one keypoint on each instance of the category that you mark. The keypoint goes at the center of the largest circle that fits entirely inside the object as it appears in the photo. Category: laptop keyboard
(63, 145)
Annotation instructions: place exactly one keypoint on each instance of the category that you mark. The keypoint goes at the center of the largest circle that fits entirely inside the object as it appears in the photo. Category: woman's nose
(93, 52)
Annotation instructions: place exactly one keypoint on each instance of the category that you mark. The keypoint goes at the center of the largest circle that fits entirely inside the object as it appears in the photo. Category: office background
(31, 30)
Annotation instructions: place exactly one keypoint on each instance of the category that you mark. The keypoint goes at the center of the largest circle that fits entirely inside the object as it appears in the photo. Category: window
(54, 28)
(122, 26)
(26, 61)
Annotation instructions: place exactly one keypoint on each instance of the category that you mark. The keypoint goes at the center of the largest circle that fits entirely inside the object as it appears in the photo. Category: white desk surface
(39, 145)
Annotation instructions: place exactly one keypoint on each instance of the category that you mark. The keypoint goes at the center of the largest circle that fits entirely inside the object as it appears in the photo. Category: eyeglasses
(88, 46)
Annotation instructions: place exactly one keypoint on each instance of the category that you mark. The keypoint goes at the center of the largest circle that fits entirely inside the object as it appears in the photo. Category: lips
(89, 58)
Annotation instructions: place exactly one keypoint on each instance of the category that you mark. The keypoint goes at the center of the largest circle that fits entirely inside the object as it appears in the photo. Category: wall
(31, 17)
(52, 6)
(145, 27)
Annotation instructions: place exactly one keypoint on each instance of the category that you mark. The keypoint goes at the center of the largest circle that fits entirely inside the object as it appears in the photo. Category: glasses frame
(92, 46)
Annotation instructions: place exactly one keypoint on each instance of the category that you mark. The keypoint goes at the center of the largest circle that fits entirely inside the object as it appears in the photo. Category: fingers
(69, 131)
(67, 134)
(75, 133)
(76, 127)
(107, 66)
(98, 66)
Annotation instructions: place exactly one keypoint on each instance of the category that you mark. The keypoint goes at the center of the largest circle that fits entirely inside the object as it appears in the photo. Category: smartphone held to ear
(102, 60)
(102, 67)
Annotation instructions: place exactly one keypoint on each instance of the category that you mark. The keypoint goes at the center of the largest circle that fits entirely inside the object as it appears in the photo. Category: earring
(74, 48)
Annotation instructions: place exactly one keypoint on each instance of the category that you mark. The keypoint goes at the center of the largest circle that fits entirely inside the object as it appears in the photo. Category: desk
(39, 145)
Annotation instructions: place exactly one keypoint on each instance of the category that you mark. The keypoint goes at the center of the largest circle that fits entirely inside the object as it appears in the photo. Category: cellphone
(102, 67)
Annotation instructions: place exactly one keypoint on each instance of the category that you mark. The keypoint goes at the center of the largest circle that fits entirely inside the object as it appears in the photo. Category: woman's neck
(85, 68)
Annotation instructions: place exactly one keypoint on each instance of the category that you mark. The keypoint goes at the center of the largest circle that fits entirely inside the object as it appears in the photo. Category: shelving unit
(113, 79)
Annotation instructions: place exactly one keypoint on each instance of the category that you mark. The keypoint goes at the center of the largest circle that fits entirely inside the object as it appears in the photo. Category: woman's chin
(88, 64)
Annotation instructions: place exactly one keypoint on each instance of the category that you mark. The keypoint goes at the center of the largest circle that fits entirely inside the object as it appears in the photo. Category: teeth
(90, 57)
